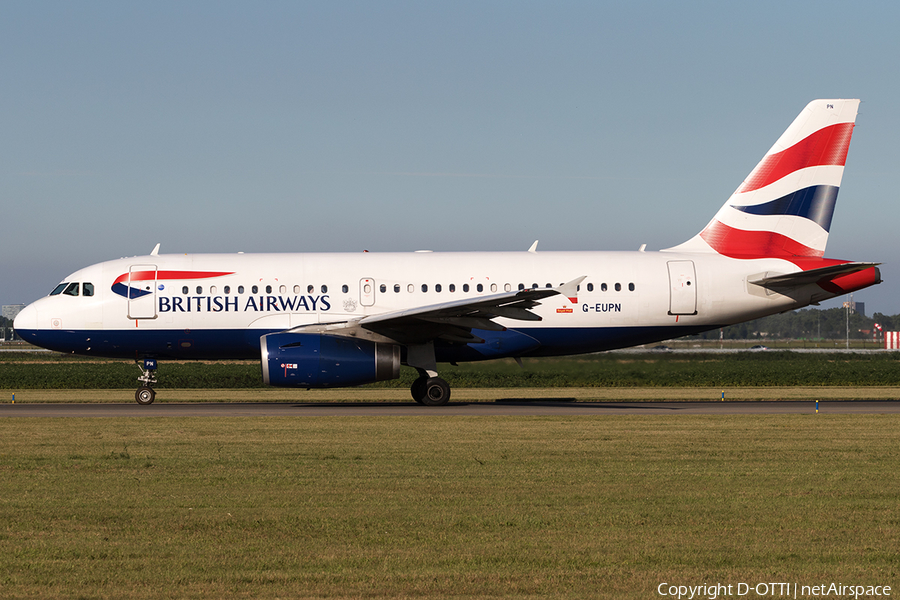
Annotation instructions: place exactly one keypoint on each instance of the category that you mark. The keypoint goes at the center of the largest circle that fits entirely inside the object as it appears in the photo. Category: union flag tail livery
(784, 207)
(332, 320)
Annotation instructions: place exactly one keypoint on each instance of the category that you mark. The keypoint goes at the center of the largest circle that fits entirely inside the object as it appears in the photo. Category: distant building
(9, 312)
(856, 307)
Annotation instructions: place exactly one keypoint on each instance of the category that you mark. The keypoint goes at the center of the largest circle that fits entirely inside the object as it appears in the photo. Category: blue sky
(393, 126)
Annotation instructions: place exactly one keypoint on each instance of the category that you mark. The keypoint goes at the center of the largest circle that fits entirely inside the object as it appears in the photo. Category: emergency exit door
(367, 291)
(682, 288)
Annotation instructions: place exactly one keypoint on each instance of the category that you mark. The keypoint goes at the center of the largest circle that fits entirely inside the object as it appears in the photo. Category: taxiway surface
(488, 409)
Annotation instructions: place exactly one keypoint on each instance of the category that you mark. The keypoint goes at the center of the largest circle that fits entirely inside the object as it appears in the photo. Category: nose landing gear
(145, 394)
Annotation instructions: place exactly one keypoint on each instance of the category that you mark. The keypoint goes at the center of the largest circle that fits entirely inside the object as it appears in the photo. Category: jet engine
(315, 360)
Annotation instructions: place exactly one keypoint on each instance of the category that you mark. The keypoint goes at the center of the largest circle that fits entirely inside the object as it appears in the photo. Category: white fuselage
(219, 305)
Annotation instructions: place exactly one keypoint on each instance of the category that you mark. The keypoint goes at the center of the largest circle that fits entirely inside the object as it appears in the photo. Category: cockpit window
(72, 289)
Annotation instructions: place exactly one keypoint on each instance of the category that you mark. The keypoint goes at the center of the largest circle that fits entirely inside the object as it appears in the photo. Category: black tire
(417, 389)
(145, 395)
(437, 392)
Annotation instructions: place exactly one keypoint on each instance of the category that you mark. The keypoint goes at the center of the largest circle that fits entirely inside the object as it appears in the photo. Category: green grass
(443, 507)
(774, 368)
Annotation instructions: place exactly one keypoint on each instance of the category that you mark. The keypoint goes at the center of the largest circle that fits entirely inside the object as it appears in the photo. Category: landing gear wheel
(437, 392)
(145, 395)
(418, 389)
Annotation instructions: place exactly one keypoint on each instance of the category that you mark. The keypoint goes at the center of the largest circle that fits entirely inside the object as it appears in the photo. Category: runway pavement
(488, 409)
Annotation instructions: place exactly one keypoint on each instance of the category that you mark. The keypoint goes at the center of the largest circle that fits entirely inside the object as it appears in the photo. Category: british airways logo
(238, 304)
(129, 291)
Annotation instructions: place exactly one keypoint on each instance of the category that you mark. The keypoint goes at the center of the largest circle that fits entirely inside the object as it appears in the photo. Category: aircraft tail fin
(784, 207)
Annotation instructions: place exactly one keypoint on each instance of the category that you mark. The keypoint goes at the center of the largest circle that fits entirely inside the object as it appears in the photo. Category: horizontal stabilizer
(813, 275)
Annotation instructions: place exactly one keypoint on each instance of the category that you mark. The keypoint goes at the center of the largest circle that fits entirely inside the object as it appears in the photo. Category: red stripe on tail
(737, 243)
(826, 147)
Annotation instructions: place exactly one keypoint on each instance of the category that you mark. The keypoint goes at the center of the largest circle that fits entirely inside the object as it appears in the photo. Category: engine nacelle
(315, 360)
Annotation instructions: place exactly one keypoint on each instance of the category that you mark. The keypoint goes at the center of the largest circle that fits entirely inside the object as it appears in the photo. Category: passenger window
(630, 287)
(618, 287)
(437, 287)
(452, 287)
(424, 287)
(254, 289)
(240, 289)
(71, 290)
(324, 289)
(296, 289)
(309, 289)
(465, 287)
(590, 287)
(507, 288)
(268, 289)
(185, 290)
(410, 288)
(396, 288)
(212, 290)
(383, 288)
(602, 287)
(480, 288)
(344, 288)
(534, 286)
(521, 286)
(282, 289)
(58, 289)
(227, 290)
(87, 289)
(199, 289)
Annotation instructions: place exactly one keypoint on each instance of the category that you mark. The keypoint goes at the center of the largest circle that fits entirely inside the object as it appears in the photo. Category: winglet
(570, 290)
(533, 248)
(155, 251)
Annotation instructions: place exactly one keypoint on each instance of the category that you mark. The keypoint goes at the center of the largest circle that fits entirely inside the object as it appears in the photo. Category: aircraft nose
(26, 320)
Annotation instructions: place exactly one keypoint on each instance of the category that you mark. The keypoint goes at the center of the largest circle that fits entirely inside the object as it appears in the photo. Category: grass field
(444, 507)
(20, 371)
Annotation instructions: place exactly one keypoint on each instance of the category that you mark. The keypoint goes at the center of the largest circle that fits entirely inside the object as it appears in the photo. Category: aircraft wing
(451, 321)
(814, 275)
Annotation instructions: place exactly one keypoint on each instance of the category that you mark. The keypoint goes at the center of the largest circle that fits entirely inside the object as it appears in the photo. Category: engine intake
(315, 360)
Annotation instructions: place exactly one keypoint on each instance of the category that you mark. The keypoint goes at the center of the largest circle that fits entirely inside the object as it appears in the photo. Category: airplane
(319, 320)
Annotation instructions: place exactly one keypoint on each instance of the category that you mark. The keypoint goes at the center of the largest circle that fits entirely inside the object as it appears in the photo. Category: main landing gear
(428, 389)
(145, 394)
